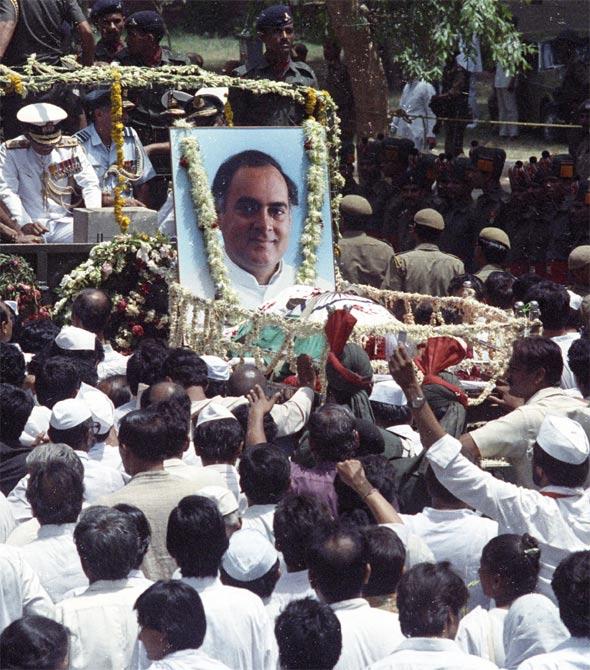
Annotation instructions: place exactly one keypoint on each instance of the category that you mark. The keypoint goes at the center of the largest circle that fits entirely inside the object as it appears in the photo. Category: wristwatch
(416, 402)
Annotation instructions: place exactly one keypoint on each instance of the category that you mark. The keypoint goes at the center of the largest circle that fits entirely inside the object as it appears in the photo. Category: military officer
(579, 268)
(275, 28)
(426, 269)
(363, 259)
(40, 172)
(488, 163)
(108, 17)
(491, 252)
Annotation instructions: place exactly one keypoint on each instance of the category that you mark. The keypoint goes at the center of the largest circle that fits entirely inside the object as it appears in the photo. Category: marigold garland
(228, 114)
(117, 135)
(311, 99)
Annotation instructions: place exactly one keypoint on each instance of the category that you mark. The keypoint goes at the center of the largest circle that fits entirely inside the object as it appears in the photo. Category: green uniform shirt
(365, 260)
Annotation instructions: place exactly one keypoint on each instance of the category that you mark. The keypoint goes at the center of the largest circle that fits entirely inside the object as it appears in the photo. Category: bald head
(91, 310)
(164, 391)
(244, 378)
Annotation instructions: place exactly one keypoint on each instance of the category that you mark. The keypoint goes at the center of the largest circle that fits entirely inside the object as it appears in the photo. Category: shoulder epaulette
(18, 143)
(68, 141)
(304, 69)
(241, 71)
(82, 136)
(127, 132)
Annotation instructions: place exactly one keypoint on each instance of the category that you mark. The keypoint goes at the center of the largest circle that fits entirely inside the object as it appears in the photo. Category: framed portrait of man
(258, 180)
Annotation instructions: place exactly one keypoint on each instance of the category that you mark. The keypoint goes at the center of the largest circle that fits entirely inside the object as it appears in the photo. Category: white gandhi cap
(249, 556)
(564, 439)
(224, 499)
(213, 412)
(217, 368)
(68, 414)
(71, 338)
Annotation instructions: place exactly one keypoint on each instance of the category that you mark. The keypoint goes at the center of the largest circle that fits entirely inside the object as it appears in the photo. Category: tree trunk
(367, 76)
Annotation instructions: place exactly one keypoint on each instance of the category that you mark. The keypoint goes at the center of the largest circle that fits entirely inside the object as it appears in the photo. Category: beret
(495, 235)
(355, 205)
(429, 218)
(579, 258)
(102, 7)
(275, 16)
(148, 22)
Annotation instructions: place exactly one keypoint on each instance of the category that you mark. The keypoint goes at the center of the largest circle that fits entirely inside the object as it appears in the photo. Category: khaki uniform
(365, 260)
(425, 270)
(487, 270)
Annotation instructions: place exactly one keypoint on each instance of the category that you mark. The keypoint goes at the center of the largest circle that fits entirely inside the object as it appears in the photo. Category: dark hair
(107, 542)
(117, 389)
(145, 433)
(297, 517)
(262, 587)
(498, 289)
(386, 555)
(36, 335)
(176, 412)
(55, 491)
(145, 365)
(436, 489)
(57, 378)
(578, 356)
(144, 531)
(426, 595)
(12, 364)
(76, 437)
(218, 441)
(371, 440)
(33, 643)
(523, 283)
(381, 474)
(427, 234)
(554, 303)
(493, 251)
(16, 406)
(516, 559)
(269, 425)
(337, 560)
(185, 367)
(390, 415)
(571, 585)
(265, 474)
(216, 387)
(331, 433)
(91, 357)
(457, 282)
(308, 635)
(246, 159)
(558, 472)
(92, 307)
(174, 609)
(534, 353)
(196, 537)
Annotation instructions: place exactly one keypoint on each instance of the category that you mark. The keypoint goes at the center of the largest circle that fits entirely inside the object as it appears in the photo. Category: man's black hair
(308, 635)
(265, 474)
(371, 440)
(92, 307)
(144, 531)
(331, 433)
(493, 251)
(523, 284)
(427, 594)
(117, 389)
(269, 425)
(12, 365)
(296, 519)
(578, 357)
(145, 365)
(559, 473)
(554, 303)
(145, 433)
(16, 406)
(34, 336)
(427, 234)
(107, 542)
(571, 585)
(185, 367)
(337, 560)
(57, 378)
(55, 491)
(533, 353)
(218, 441)
(386, 556)
(246, 159)
(34, 642)
(176, 410)
(174, 609)
(76, 437)
(498, 289)
(436, 490)
(457, 283)
(196, 537)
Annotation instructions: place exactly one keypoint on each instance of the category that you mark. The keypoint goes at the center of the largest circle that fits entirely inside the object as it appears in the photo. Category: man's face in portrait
(256, 220)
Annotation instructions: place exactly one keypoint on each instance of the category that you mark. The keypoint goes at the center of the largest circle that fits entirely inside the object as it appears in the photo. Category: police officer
(488, 163)
(426, 269)
(363, 259)
(579, 269)
(275, 28)
(491, 252)
(108, 17)
(39, 173)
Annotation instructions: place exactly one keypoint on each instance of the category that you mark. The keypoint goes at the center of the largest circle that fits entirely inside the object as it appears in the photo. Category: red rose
(137, 330)
(121, 305)
(183, 162)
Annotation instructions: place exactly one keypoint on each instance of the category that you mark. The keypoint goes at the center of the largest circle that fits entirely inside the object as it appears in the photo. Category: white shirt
(368, 634)
(290, 586)
(481, 634)
(231, 478)
(260, 518)
(512, 436)
(20, 590)
(239, 632)
(54, 558)
(7, 522)
(564, 342)
(431, 653)
(113, 364)
(108, 455)
(458, 536)
(415, 101)
(103, 625)
(573, 654)
(417, 551)
(560, 525)
(188, 659)
(178, 468)
(102, 158)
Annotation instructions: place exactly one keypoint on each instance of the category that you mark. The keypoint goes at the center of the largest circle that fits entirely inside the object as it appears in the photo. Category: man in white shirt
(55, 490)
(239, 632)
(415, 101)
(557, 515)
(534, 373)
(101, 620)
(338, 568)
(571, 585)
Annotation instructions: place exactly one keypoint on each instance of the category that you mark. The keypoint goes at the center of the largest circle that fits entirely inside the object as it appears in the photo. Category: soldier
(108, 17)
(488, 163)
(491, 252)
(39, 172)
(578, 264)
(274, 26)
(579, 141)
(579, 215)
(363, 259)
(426, 269)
